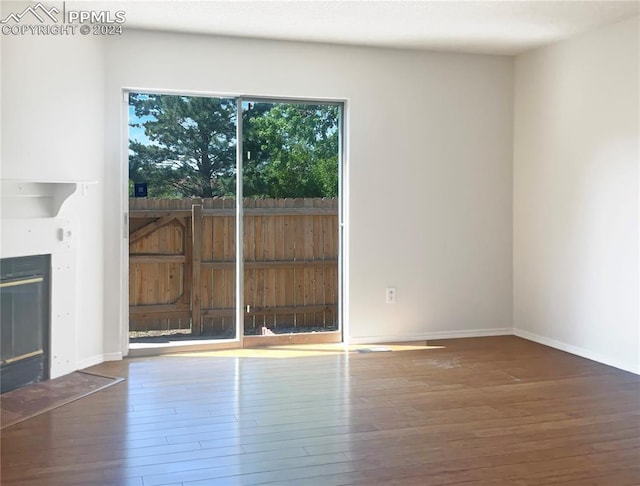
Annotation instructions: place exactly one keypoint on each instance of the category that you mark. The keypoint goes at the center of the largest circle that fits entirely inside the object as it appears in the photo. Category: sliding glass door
(196, 165)
(291, 162)
(182, 218)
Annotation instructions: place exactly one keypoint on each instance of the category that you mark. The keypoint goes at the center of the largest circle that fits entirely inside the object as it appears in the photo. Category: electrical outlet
(391, 295)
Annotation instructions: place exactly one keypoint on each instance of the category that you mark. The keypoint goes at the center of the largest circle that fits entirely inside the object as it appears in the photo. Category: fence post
(196, 259)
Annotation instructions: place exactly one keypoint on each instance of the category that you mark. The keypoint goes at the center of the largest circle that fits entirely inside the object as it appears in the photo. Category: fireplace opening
(24, 328)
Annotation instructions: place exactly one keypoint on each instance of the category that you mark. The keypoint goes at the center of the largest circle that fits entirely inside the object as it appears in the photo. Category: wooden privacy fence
(182, 265)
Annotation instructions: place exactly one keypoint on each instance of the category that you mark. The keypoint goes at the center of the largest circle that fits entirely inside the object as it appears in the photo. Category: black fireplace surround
(24, 328)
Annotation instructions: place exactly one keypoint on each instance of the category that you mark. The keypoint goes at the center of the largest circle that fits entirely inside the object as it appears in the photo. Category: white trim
(96, 360)
(343, 198)
(578, 351)
(432, 335)
(123, 214)
(235, 94)
(27, 199)
(239, 223)
(92, 361)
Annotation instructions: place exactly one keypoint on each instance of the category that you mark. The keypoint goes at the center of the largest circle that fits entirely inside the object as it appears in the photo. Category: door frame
(239, 340)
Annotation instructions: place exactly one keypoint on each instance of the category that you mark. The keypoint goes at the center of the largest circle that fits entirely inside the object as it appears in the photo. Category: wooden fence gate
(182, 266)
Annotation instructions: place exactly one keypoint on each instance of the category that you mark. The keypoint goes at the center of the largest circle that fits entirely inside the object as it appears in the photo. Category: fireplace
(41, 218)
(25, 323)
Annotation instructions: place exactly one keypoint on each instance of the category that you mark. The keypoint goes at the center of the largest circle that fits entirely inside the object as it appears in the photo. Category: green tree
(192, 149)
(293, 150)
(289, 150)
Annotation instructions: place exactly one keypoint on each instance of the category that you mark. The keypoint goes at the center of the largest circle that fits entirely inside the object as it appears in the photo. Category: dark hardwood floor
(486, 411)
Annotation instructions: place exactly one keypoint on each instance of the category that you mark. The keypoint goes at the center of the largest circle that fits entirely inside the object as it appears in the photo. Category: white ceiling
(491, 27)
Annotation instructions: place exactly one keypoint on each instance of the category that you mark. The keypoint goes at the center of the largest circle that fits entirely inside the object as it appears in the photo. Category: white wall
(429, 204)
(576, 134)
(53, 129)
(429, 168)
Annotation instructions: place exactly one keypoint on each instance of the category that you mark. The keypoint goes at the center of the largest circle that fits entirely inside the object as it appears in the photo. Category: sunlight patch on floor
(302, 350)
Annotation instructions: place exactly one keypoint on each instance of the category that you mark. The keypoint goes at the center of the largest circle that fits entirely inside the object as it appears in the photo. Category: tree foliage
(298, 155)
(289, 150)
(192, 145)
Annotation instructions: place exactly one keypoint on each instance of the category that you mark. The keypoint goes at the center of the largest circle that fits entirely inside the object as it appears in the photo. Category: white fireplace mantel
(34, 222)
(26, 199)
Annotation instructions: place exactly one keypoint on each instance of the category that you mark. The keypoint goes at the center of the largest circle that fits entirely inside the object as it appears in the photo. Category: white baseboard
(92, 361)
(569, 348)
(96, 360)
(431, 335)
(582, 352)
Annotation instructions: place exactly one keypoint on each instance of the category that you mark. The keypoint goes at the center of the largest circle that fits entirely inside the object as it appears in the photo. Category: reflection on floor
(482, 411)
(302, 350)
